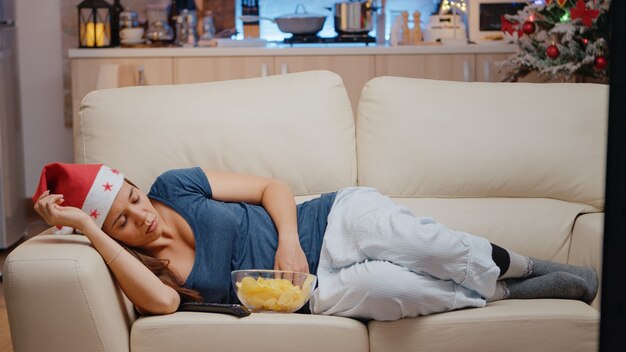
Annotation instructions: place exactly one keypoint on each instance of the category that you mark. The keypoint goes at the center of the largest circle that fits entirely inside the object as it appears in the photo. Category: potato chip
(278, 295)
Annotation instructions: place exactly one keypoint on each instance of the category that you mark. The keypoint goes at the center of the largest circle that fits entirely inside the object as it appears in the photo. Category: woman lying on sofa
(374, 259)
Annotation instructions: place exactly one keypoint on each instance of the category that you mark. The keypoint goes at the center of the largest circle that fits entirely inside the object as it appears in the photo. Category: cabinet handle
(284, 69)
(264, 70)
(466, 71)
(486, 71)
(141, 76)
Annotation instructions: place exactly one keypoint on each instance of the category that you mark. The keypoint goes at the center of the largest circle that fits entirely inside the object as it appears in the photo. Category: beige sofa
(521, 164)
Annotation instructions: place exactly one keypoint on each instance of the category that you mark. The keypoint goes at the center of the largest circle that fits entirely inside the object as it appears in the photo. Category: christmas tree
(559, 39)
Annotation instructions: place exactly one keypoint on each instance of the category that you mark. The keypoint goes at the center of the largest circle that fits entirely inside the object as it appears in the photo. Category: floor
(34, 226)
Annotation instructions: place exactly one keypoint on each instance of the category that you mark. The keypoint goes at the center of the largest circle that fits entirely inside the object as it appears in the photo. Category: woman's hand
(49, 208)
(290, 256)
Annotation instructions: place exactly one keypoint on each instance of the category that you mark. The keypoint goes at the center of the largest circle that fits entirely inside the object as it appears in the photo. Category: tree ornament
(529, 27)
(561, 3)
(581, 11)
(548, 2)
(509, 27)
(600, 63)
(552, 51)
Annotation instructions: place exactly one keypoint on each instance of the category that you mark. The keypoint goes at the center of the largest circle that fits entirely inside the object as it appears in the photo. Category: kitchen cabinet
(449, 67)
(487, 69)
(356, 65)
(355, 70)
(85, 72)
(209, 69)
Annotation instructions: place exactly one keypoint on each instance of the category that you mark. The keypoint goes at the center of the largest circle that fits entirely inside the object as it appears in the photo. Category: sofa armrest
(60, 296)
(586, 245)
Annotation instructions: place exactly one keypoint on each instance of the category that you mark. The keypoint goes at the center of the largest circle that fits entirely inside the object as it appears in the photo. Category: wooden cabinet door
(355, 70)
(86, 72)
(487, 69)
(449, 67)
(209, 69)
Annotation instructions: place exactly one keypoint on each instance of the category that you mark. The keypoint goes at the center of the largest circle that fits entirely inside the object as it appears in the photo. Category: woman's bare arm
(140, 285)
(147, 292)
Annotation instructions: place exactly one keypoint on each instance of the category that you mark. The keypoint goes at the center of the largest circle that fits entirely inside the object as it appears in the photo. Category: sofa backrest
(297, 127)
(441, 139)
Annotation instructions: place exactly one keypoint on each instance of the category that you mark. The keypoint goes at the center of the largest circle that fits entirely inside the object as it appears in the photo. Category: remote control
(233, 309)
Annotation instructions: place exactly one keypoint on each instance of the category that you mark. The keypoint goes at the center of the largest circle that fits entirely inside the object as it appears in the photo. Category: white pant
(379, 261)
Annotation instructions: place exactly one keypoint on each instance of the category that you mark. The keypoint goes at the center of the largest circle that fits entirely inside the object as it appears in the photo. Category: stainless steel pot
(354, 17)
(298, 23)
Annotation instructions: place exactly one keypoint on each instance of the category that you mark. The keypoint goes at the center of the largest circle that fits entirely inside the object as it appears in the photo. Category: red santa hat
(89, 187)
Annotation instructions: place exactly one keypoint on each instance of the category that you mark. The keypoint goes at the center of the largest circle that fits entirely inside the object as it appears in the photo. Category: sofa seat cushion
(191, 331)
(510, 325)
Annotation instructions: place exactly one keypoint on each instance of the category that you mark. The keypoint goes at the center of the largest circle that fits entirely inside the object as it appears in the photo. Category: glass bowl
(273, 290)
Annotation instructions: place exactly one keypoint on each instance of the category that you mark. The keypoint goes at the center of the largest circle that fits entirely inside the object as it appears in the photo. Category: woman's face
(132, 219)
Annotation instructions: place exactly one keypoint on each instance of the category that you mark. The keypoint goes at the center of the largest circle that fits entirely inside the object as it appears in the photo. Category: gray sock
(543, 267)
(553, 285)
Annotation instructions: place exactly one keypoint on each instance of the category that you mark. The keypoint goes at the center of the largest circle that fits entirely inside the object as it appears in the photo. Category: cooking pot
(299, 22)
(354, 17)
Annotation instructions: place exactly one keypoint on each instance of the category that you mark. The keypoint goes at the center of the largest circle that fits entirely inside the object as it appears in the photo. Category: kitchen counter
(273, 49)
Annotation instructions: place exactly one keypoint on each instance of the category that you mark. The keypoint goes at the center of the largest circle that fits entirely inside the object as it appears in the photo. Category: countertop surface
(280, 49)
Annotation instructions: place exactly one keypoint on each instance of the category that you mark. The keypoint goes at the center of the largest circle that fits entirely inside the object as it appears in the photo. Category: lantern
(94, 24)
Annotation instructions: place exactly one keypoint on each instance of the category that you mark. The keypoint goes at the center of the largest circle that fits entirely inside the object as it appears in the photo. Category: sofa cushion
(190, 331)
(297, 127)
(536, 227)
(426, 138)
(511, 325)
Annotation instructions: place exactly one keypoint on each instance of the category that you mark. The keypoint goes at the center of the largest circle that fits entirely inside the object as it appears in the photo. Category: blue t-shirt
(233, 236)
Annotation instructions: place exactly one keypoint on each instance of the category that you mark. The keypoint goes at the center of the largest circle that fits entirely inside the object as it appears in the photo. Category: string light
(448, 5)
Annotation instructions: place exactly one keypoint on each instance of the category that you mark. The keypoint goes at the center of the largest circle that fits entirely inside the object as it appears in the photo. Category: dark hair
(160, 268)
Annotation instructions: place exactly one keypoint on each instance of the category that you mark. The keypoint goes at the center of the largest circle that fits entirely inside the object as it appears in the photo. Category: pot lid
(301, 12)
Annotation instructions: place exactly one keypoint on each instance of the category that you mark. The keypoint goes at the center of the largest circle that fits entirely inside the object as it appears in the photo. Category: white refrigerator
(12, 206)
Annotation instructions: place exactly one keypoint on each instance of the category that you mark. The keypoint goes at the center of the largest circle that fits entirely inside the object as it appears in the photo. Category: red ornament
(553, 52)
(561, 3)
(600, 63)
(510, 27)
(581, 11)
(529, 27)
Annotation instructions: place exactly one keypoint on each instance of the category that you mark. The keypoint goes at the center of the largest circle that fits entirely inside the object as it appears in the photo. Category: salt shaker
(406, 34)
(416, 36)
